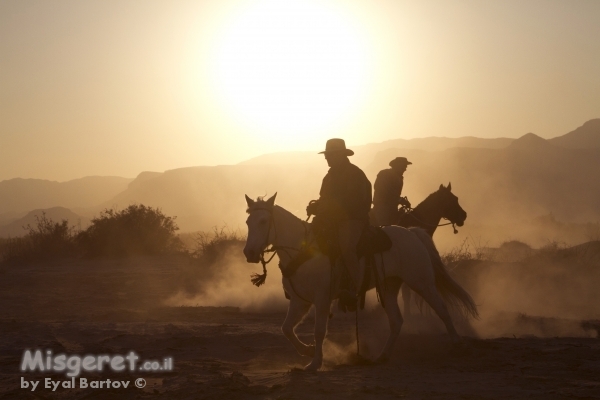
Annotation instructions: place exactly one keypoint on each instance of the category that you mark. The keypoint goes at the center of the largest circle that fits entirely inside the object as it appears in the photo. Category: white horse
(413, 259)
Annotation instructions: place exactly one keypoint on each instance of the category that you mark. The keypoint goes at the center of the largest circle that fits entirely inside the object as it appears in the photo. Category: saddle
(374, 240)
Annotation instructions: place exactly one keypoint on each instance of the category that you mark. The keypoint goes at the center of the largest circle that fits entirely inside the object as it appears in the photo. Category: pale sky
(101, 87)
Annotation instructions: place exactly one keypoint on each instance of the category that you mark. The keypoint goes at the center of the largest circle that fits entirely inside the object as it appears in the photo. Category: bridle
(410, 210)
(259, 279)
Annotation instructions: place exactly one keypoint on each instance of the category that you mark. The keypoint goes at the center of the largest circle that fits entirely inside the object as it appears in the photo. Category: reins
(410, 213)
(259, 279)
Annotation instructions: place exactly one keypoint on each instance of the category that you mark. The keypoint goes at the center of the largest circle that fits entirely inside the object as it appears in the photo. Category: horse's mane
(261, 204)
(429, 199)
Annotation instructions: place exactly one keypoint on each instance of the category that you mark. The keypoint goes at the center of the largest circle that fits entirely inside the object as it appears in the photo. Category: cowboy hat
(336, 145)
(399, 162)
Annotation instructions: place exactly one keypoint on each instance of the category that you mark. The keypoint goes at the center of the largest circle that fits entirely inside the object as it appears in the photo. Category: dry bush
(46, 241)
(138, 229)
(211, 246)
(211, 259)
(469, 250)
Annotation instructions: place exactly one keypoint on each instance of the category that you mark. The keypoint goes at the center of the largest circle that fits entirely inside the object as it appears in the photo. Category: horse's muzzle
(461, 221)
(252, 256)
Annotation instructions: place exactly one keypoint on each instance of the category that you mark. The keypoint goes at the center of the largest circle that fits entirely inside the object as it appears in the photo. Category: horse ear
(442, 186)
(449, 187)
(249, 201)
(271, 200)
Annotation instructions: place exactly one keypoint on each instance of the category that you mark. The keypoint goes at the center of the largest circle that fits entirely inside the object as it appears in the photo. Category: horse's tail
(454, 295)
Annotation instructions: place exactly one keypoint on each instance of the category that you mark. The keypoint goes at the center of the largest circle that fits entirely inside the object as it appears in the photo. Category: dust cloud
(520, 291)
(224, 280)
(546, 292)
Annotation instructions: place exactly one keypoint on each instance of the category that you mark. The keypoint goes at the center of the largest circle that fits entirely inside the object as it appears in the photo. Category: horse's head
(259, 223)
(451, 210)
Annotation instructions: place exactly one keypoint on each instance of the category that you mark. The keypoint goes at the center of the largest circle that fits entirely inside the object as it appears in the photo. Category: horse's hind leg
(296, 311)
(433, 298)
(392, 287)
(322, 309)
(406, 299)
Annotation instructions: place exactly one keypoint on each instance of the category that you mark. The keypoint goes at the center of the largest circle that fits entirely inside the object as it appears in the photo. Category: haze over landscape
(130, 132)
(500, 182)
(89, 88)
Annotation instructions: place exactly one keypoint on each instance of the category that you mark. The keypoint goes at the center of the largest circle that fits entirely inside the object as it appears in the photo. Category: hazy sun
(291, 67)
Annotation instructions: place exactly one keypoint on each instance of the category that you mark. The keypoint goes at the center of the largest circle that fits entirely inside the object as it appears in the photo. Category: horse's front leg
(322, 308)
(296, 311)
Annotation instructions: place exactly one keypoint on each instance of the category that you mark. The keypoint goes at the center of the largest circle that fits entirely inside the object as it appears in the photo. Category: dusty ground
(112, 307)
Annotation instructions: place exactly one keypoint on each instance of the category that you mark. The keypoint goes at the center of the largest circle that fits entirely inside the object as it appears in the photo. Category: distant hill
(496, 180)
(366, 152)
(528, 178)
(22, 195)
(586, 136)
(56, 214)
(530, 141)
(203, 197)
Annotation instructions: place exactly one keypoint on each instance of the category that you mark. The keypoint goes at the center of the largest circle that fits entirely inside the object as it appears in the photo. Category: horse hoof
(313, 366)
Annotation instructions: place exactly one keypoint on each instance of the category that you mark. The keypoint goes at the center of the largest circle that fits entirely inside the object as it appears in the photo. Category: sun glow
(291, 68)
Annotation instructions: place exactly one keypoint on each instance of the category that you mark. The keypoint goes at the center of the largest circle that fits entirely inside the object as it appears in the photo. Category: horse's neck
(290, 232)
(429, 212)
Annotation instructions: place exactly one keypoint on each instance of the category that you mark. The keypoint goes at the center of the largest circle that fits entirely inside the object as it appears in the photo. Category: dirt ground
(113, 307)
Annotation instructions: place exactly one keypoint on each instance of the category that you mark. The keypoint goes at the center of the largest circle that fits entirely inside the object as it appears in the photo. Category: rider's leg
(349, 235)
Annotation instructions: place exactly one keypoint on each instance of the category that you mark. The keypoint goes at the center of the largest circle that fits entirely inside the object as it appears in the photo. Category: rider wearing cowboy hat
(388, 191)
(345, 201)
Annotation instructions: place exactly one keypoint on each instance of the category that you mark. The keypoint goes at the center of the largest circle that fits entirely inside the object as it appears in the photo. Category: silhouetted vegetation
(467, 251)
(47, 240)
(212, 255)
(136, 230)
(210, 246)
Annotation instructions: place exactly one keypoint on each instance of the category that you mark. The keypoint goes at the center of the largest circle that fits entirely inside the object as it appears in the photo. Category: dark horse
(427, 215)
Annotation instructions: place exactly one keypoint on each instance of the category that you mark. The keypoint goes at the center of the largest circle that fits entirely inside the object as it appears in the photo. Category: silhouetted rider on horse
(342, 211)
(388, 192)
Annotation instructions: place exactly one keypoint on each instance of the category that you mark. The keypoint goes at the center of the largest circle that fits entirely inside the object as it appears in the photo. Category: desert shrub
(467, 251)
(512, 251)
(212, 255)
(553, 250)
(210, 246)
(515, 245)
(138, 229)
(3, 247)
(46, 241)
